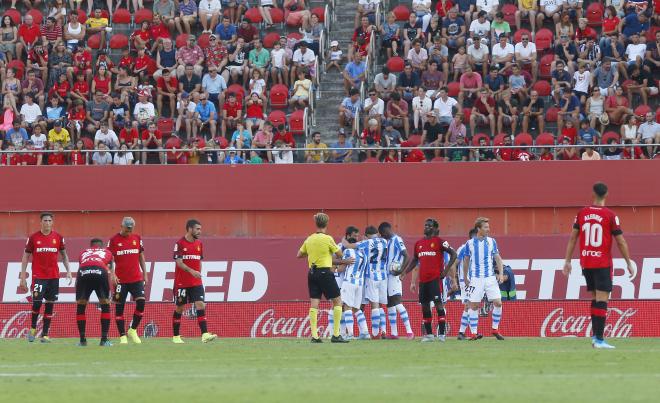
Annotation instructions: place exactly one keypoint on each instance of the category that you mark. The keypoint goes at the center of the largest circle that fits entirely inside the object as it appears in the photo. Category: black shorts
(322, 282)
(47, 290)
(598, 279)
(136, 290)
(431, 292)
(190, 295)
(92, 279)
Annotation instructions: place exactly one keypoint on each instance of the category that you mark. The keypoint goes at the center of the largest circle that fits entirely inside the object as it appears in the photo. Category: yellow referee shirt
(319, 248)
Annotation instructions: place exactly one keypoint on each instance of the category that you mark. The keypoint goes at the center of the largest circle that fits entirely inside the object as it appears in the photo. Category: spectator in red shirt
(152, 138)
(483, 112)
(505, 154)
(631, 152)
(568, 153)
(142, 37)
(231, 113)
(167, 87)
(10, 158)
(102, 82)
(546, 155)
(82, 62)
(80, 89)
(61, 89)
(57, 158)
(285, 136)
(470, 84)
(28, 33)
(414, 155)
(129, 135)
(51, 32)
(77, 157)
(158, 31)
(142, 62)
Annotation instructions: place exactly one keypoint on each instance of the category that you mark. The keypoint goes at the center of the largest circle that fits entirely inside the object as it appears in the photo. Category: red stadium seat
(181, 40)
(641, 112)
(477, 137)
(105, 14)
(297, 124)
(545, 67)
(277, 118)
(165, 126)
(595, 14)
(279, 96)
(453, 89)
(650, 33)
(395, 64)
(320, 12)
(82, 16)
(254, 15)
(414, 140)
(401, 12)
(203, 41)
(94, 41)
(295, 35)
(270, 39)
(610, 135)
(657, 115)
(89, 143)
(143, 14)
(509, 11)
(523, 139)
(519, 33)
(118, 41)
(466, 114)
(545, 139)
(238, 90)
(14, 14)
(277, 15)
(551, 114)
(121, 16)
(544, 40)
(499, 139)
(152, 67)
(37, 16)
(543, 88)
(17, 65)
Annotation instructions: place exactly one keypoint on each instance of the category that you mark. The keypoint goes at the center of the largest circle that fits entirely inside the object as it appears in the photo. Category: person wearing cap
(144, 111)
(190, 54)
(232, 157)
(340, 149)
(567, 52)
(226, 32)
(217, 55)
(209, 13)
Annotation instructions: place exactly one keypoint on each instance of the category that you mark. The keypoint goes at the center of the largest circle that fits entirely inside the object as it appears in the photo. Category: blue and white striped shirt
(481, 252)
(339, 276)
(460, 254)
(375, 250)
(395, 248)
(355, 272)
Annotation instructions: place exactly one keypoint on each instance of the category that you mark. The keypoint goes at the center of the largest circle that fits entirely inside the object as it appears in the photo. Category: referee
(319, 249)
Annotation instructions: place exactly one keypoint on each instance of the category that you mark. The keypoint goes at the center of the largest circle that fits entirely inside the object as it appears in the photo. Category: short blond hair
(321, 220)
(480, 221)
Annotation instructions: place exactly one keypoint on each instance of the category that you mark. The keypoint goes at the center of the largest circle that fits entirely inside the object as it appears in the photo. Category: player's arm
(348, 245)
(452, 260)
(184, 267)
(569, 251)
(500, 268)
(404, 253)
(65, 261)
(625, 252)
(466, 269)
(143, 267)
(413, 280)
(302, 252)
(411, 264)
(338, 259)
(23, 277)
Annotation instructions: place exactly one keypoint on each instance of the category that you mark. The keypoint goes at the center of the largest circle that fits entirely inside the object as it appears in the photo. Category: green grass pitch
(293, 370)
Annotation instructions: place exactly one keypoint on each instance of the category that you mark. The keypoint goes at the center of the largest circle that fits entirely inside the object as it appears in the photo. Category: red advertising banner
(266, 269)
(289, 319)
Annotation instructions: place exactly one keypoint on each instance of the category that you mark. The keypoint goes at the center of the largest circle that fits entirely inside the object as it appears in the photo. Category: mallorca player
(129, 277)
(188, 288)
(480, 257)
(596, 225)
(44, 246)
(93, 277)
(429, 254)
(397, 259)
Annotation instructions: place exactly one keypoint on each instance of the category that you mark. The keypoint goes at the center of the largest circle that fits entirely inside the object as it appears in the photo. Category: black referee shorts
(431, 291)
(92, 279)
(322, 282)
(598, 279)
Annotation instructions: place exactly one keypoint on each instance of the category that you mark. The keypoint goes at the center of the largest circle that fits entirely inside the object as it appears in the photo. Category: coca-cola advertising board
(266, 269)
(289, 319)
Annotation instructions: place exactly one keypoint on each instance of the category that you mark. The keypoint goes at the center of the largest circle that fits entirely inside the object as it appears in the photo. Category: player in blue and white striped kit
(465, 318)
(480, 277)
(339, 278)
(352, 287)
(397, 259)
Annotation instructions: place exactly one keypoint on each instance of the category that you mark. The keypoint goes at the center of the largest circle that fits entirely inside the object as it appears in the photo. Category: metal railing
(357, 120)
(322, 49)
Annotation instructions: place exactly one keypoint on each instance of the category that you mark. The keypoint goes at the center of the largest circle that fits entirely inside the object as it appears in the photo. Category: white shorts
(351, 294)
(480, 286)
(394, 286)
(464, 297)
(376, 291)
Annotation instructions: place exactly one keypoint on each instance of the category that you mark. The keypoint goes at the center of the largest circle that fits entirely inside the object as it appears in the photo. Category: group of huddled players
(380, 260)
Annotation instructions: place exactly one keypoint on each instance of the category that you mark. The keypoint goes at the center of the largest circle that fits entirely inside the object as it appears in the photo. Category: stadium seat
(181, 40)
(14, 14)
(121, 19)
(545, 139)
(545, 67)
(395, 64)
(595, 14)
(499, 139)
(152, 67)
(466, 114)
(523, 139)
(277, 15)
(37, 16)
(509, 11)
(82, 16)
(279, 96)
(118, 41)
(320, 11)
(543, 88)
(277, 118)
(641, 111)
(254, 15)
(17, 65)
(238, 90)
(650, 33)
(143, 14)
(165, 126)
(657, 115)
(519, 33)
(297, 124)
(401, 12)
(551, 114)
(94, 41)
(270, 39)
(295, 35)
(610, 135)
(477, 137)
(89, 143)
(544, 40)
(453, 89)
(203, 41)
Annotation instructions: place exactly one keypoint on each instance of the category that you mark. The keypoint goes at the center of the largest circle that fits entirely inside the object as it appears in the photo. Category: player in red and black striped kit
(129, 277)
(95, 262)
(45, 246)
(595, 226)
(188, 287)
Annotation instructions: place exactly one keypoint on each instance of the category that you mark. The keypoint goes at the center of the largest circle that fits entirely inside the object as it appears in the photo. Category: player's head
(385, 230)
(46, 221)
(321, 220)
(194, 228)
(127, 225)
(482, 226)
(352, 234)
(370, 232)
(472, 233)
(96, 243)
(431, 226)
(600, 190)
